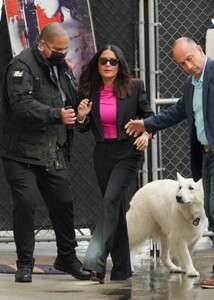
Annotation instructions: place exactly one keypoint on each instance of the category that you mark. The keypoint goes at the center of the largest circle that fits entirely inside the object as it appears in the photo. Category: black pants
(26, 182)
(116, 164)
(208, 185)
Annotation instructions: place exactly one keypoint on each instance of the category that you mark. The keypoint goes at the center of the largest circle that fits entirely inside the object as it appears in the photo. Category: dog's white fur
(165, 210)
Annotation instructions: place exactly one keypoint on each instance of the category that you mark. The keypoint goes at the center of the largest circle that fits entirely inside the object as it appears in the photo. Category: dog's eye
(191, 188)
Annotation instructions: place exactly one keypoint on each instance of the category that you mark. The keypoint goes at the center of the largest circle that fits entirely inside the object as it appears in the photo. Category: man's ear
(41, 44)
(200, 48)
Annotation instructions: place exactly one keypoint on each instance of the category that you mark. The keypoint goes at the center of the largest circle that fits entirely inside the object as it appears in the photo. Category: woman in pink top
(110, 98)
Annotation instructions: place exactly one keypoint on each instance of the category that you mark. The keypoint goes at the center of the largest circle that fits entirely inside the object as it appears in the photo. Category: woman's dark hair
(91, 81)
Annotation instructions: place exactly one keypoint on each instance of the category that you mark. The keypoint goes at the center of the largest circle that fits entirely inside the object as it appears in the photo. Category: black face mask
(56, 58)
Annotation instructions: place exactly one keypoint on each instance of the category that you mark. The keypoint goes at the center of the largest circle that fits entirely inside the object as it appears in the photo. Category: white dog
(172, 212)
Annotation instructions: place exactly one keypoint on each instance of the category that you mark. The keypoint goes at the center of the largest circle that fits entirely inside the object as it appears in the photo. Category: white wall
(210, 43)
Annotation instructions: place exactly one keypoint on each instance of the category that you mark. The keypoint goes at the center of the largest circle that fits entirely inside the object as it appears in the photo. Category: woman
(110, 99)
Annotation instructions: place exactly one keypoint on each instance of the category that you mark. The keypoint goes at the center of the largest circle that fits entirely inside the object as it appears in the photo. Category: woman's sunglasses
(113, 61)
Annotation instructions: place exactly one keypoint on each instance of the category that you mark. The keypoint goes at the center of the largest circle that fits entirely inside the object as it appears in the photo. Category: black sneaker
(74, 268)
(23, 274)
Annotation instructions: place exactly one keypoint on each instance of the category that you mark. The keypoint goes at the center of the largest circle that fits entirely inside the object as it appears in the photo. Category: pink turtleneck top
(108, 112)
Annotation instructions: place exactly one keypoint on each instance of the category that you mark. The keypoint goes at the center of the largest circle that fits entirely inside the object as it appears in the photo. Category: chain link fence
(113, 24)
(117, 22)
(176, 18)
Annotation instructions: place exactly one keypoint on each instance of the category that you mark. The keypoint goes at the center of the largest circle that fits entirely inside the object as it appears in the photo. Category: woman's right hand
(83, 109)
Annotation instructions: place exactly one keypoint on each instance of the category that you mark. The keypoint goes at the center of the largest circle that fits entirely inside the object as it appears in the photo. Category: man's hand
(135, 127)
(83, 109)
(68, 116)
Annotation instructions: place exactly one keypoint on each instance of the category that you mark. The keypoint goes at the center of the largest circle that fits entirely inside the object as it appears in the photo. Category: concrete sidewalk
(151, 280)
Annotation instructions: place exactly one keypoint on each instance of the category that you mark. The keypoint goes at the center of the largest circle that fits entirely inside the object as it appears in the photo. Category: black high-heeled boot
(96, 276)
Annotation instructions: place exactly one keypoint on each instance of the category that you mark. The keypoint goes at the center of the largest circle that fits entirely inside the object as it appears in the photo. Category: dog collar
(196, 221)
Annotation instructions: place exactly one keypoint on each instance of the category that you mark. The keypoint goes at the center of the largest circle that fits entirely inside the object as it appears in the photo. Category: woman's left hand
(142, 141)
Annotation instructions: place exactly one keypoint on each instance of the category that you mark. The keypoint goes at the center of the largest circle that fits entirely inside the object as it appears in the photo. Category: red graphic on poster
(26, 18)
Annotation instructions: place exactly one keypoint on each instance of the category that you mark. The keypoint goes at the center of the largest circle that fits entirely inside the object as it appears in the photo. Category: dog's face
(189, 191)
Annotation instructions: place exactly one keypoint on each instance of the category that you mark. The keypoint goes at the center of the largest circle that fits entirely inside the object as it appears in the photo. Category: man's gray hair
(185, 39)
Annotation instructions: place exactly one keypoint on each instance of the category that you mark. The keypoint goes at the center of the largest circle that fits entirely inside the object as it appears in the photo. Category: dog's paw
(192, 273)
(176, 270)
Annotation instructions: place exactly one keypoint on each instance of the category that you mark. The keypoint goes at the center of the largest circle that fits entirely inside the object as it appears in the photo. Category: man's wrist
(150, 135)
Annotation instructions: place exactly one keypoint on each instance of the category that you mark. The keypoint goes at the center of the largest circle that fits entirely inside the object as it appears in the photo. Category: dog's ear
(179, 177)
(200, 182)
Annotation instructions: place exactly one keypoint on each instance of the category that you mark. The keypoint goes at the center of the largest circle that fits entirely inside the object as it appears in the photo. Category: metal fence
(113, 23)
(169, 20)
(149, 55)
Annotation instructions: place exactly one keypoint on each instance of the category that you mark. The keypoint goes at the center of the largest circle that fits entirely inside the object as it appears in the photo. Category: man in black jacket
(37, 114)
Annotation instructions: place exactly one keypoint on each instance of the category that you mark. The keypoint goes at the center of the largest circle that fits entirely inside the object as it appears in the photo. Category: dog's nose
(179, 199)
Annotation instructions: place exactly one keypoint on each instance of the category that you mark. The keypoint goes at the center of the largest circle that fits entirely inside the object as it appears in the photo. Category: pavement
(150, 281)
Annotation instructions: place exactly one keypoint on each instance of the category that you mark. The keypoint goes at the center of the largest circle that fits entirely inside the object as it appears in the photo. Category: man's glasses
(113, 61)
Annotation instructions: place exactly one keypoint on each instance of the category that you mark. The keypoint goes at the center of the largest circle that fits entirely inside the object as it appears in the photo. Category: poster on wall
(26, 18)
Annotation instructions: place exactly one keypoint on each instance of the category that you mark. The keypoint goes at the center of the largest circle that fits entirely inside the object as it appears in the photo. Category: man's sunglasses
(113, 61)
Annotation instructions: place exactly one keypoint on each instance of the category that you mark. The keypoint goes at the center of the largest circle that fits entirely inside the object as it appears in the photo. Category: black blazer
(132, 107)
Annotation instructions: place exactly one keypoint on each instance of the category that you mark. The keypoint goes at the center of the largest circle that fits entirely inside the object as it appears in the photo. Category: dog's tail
(139, 228)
